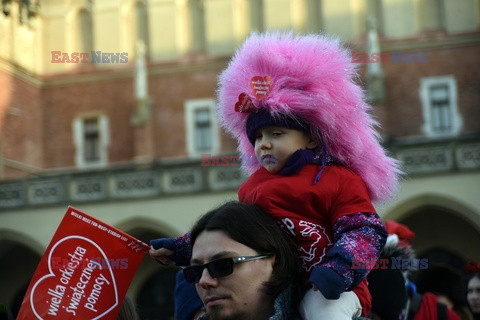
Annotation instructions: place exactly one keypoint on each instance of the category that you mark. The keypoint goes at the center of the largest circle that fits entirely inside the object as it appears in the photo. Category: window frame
(78, 127)
(191, 106)
(427, 107)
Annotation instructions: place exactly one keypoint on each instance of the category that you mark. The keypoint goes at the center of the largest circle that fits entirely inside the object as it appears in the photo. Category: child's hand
(161, 255)
(163, 250)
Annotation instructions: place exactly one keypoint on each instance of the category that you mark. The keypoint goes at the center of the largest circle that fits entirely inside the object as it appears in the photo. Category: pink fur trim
(312, 77)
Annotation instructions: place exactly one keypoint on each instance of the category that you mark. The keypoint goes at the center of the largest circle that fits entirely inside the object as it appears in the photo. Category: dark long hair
(251, 226)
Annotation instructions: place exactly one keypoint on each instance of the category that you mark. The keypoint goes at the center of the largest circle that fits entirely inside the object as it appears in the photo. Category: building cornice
(201, 62)
(20, 73)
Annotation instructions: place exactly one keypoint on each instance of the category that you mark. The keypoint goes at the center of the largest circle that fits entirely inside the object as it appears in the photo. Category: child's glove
(329, 283)
(163, 250)
(168, 250)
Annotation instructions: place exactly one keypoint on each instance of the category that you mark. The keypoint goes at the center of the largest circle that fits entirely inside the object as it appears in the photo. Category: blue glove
(167, 243)
(329, 283)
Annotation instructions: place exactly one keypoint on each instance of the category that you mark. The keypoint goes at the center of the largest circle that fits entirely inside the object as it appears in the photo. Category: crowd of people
(303, 239)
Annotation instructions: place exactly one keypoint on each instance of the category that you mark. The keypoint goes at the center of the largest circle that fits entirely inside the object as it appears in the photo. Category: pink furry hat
(309, 77)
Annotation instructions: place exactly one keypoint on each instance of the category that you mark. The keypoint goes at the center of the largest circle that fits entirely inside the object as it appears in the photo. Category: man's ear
(273, 260)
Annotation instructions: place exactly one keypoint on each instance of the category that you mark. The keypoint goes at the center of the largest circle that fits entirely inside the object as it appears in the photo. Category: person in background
(440, 284)
(387, 285)
(128, 311)
(188, 305)
(473, 290)
(395, 297)
(5, 314)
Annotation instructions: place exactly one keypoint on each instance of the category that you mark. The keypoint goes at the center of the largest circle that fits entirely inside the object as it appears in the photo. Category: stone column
(142, 121)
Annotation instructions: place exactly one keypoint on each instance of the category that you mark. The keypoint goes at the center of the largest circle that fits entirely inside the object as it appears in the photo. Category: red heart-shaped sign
(78, 282)
(244, 104)
(261, 86)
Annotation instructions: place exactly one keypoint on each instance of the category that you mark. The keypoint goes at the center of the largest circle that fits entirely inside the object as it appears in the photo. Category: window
(202, 129)
(91, 137)
(440, 109)
(91, 141)
(439, 104)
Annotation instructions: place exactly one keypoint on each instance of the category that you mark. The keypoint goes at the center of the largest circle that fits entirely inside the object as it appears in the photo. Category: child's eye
(276, 133)
(258, 136)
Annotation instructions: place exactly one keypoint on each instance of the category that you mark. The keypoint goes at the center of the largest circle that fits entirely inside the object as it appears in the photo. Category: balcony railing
(437, 156)
(417, 157)
(120, 183)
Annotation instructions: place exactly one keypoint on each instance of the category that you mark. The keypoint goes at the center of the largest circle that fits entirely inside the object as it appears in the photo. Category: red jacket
(428, 309)
(309, 211)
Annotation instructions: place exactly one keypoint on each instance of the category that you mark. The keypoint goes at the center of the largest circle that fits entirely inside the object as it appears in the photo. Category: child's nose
(265, 143)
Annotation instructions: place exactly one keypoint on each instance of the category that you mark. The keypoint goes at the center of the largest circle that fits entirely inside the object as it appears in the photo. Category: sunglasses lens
(193, 273)
(217, 269)
(220, 268)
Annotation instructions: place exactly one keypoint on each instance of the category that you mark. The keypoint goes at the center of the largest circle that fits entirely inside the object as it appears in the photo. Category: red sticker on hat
(260, 86)
(244, 104)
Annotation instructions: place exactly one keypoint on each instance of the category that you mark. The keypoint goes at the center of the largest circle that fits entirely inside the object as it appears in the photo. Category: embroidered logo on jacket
(311, 239)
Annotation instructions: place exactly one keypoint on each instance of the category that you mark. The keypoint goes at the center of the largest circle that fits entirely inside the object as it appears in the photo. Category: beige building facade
(108, 106)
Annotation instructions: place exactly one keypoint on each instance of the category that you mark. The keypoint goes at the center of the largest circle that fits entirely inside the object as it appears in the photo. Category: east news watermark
(89, 57)
(391, 263)
(67, 267)
(389, 57)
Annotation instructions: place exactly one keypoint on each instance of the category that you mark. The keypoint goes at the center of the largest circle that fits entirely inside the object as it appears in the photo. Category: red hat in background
(472, 267)
(404, 233)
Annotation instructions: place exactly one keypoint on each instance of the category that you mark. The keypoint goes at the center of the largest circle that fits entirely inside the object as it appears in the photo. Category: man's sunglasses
(217, 268)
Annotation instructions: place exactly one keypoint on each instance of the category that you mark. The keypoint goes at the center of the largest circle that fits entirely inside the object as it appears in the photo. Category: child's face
(274, 145)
